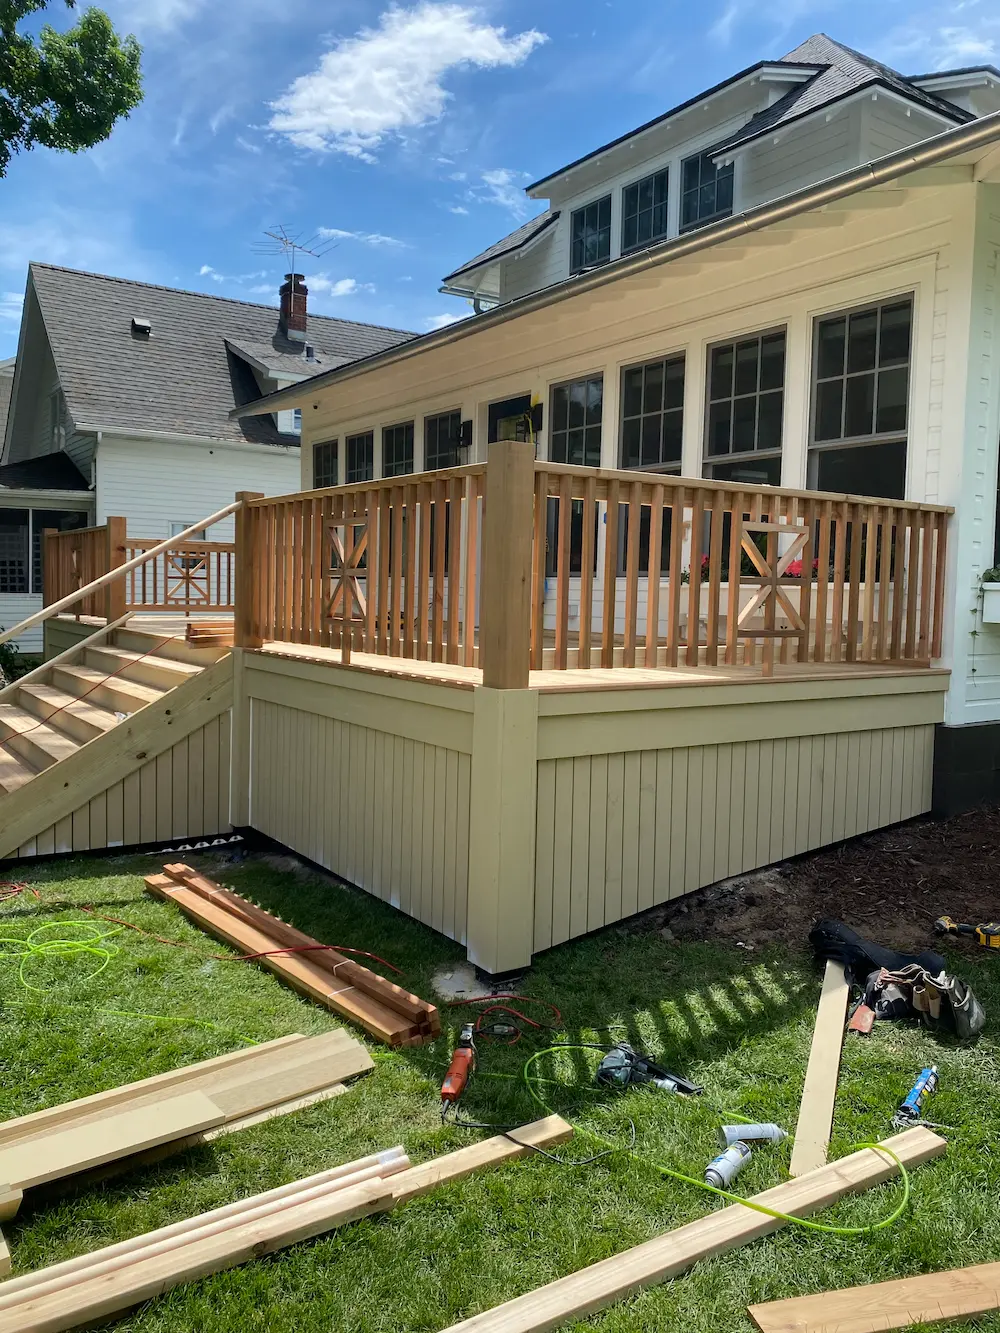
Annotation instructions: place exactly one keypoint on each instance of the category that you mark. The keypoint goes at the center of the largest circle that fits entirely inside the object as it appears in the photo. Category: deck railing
(73, 559)
(517, 565)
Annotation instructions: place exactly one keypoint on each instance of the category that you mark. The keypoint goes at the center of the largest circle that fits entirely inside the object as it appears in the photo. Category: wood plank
(455, 567)
(538, 558)
(440, 490)
(632, 535)
(652, 635)
(714, 578)
(506, 611)
(812, 1133)
(469, 603)
(674, 583)
(562, 572)
(694, 586)
(71, 1149)
(623, 1275)
(961, 1293)
(940, 570)
(610, 577)
(587, 555)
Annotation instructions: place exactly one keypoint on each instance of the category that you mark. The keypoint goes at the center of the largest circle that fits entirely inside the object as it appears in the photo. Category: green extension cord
(531, 1080)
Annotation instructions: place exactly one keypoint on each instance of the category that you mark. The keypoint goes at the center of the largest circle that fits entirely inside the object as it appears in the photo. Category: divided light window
(591, 233)
(653, 415)
(325, 464)
(441, 439)
(746, 390)
(707, 191)
(644, 211)
(360, 457)
(860, 394)
(397, 450)
(577, 413)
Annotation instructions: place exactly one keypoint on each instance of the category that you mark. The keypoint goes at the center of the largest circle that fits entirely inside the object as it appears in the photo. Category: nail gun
(623, 1067)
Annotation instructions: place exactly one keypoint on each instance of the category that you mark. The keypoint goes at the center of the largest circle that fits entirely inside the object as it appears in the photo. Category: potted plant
(991, 596)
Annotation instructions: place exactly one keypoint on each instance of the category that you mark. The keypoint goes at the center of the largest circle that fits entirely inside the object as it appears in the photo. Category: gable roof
(50, 472)
(183, 379)
(844, 72)
(514, 241)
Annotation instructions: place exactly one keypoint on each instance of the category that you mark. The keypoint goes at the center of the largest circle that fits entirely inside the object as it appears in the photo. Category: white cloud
(322, 283)
(722, 29)
(434, 322)
(365, 237)
(144, 16)
(207, 271)
(501, 186)
(389, 78)
(946, 46)
(460, 209)
(10, 306)
(250, 147)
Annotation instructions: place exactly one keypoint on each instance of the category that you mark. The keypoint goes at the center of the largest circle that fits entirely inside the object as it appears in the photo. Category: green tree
(67, 89)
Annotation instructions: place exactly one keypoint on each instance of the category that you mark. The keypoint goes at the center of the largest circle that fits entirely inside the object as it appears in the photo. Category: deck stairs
(78, 703)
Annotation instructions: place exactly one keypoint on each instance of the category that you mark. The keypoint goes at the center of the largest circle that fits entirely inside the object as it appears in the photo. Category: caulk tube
(732, 1134)
(723, 1170)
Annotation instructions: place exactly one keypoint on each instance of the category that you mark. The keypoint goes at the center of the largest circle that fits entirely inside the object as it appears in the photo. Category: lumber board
(10, 1202)
(962, 1293)
(4, 1256)
(74, 1148)
(600, 1285)
(819, 1093)
(300, 973)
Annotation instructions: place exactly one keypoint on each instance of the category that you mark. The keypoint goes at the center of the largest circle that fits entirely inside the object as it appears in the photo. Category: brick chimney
(292, 320)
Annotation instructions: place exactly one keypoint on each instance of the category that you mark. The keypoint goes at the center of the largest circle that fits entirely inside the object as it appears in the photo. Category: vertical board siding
(182, 793)
(617, 833)
(384, 812)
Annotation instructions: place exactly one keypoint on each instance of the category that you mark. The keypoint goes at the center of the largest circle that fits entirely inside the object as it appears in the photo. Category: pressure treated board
(74, 1148)
(601, 1284)
(962, 1293)
(812, 1133)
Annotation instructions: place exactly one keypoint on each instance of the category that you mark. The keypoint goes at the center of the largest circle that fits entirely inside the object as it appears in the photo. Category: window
(64, 520)
(644, 211)
(178, 525)
(360, 457)
(14, 574)
(442, 435)
(297, 420)
(652, 415)
(324, 464)
(707, 191)
(397, 450)
(591, 231)
(577, 412)
(746, 383)
(860, 394)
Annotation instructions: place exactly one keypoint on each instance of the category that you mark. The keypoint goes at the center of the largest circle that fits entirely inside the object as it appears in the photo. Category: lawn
(738, 1021)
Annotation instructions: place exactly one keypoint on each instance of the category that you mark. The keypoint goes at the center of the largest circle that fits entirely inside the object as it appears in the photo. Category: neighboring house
(770, 129)
(120, 402)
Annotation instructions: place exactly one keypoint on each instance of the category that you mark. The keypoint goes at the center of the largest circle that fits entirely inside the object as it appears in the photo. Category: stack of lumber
(210, 634)
(623, 1275)
(109, 1282)
(384, 1010)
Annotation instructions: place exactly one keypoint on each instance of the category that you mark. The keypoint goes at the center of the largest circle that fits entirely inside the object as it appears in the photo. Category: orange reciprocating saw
(463, 1062)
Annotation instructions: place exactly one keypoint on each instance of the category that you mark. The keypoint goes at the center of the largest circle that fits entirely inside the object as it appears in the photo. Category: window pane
(689, 208)
(595, 401)
(691, 181)
(650, 441)
(672, 431)
(630, 443)
(769, 420)
(749, 472)
(645, 192)
(832, 346)
(772, 361)
(829, 410)
(861, 341)
(645, 227)
(13, 551)
(892, 388)
(652, 400)
(661, 181)
(894, 344)
(746, 366)
(724, 190)
(560, 408)
(674, 394)
(872, 469)
(860, 406)
(604, 212)
(632, 392)
(722, 372)
(706, 200)
(630, 233)
(630, 200)
(574, 448)
(592, 455)
(660, 220)
(719, 421)
(744, 424)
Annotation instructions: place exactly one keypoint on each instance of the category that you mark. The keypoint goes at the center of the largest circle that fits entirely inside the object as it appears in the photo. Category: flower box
(991, 603)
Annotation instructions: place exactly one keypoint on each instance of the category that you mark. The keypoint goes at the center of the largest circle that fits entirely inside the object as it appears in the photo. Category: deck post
(504, 783)
(505, 603)
(245, 632)
(114, 593)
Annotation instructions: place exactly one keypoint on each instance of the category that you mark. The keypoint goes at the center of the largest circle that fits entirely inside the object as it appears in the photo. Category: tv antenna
(280, 241)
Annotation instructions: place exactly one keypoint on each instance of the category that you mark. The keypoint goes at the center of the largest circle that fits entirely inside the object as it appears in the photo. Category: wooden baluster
(440, 549)
(694, 586)
(854, 584)
(839, 582)
(610, 576)
(468, 657)
(539, 557)
(632, 540)
(508, 523)
(900, 519)
(940, 573)
(297, 563)
(926, 586)
(820, 643)
(114, 558)
(872, 570)
(587, 561)
(424, 581)
(912, 586)
(346, 506)
(246, 632)
(788, 512)
(652, 638)
(883, 616)
(411, 587)
(674, 577)
(719, 501)
(737, 506)
(328, 512)
(805, 595)
(367, 503)
(279, 572)
(391, 593)
(455, 567)
(314, 631)
(756, 516)
(562, 570)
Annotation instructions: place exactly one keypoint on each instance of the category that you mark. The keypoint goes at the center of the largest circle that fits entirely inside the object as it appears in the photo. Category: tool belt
(941, 1002)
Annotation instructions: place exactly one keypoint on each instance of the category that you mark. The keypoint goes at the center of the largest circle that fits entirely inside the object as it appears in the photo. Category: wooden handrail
(106, 579)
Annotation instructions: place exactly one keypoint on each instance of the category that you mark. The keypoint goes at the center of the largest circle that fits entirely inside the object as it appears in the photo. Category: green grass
(739, 1022)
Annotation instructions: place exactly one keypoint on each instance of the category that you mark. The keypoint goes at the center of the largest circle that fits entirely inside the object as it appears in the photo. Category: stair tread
(14, 771)
(48, 739)
(183, 670)
(89, 676)
(69, 703)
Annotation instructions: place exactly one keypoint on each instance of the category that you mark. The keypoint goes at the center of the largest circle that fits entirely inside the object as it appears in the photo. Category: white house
(119, 405)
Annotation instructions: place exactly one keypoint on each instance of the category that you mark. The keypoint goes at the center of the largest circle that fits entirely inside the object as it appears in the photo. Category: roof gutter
(952, 142)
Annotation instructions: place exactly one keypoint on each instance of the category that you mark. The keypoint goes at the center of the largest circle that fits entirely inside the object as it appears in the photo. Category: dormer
(976, 89)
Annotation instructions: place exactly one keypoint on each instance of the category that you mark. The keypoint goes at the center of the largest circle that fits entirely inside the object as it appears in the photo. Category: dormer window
(644, 211)
(591, 232)
(707, 192)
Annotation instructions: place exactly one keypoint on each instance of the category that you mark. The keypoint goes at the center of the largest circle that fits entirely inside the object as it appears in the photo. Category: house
(659, 572)
(119, 405)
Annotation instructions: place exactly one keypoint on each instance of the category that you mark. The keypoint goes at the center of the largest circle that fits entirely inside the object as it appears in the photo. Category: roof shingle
(514, 241)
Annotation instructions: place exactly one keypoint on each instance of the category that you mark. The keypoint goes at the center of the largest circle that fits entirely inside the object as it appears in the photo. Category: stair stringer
(61, 790)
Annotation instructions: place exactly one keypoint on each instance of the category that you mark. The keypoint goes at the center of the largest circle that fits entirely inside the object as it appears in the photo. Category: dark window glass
(745, 405)
(442, 435)
(751, 471)
(644, 211)
(576, 422)
(360, 457)
(707, 191)
(325, 464)
(652, 415)
(832, 344)
(397, 450)
(872, 469)
(14, 572)
(591, 235)
(63, 521)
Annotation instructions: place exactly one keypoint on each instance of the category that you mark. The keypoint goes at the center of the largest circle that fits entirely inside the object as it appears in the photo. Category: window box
(991, 603)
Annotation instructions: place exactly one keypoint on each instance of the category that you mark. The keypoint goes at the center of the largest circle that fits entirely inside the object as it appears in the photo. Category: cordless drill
(987, 933)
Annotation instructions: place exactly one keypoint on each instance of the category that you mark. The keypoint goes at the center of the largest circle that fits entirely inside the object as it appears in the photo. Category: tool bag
(942, 1003)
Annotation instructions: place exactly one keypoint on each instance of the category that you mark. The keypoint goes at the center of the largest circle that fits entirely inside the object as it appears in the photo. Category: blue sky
(402, 134)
